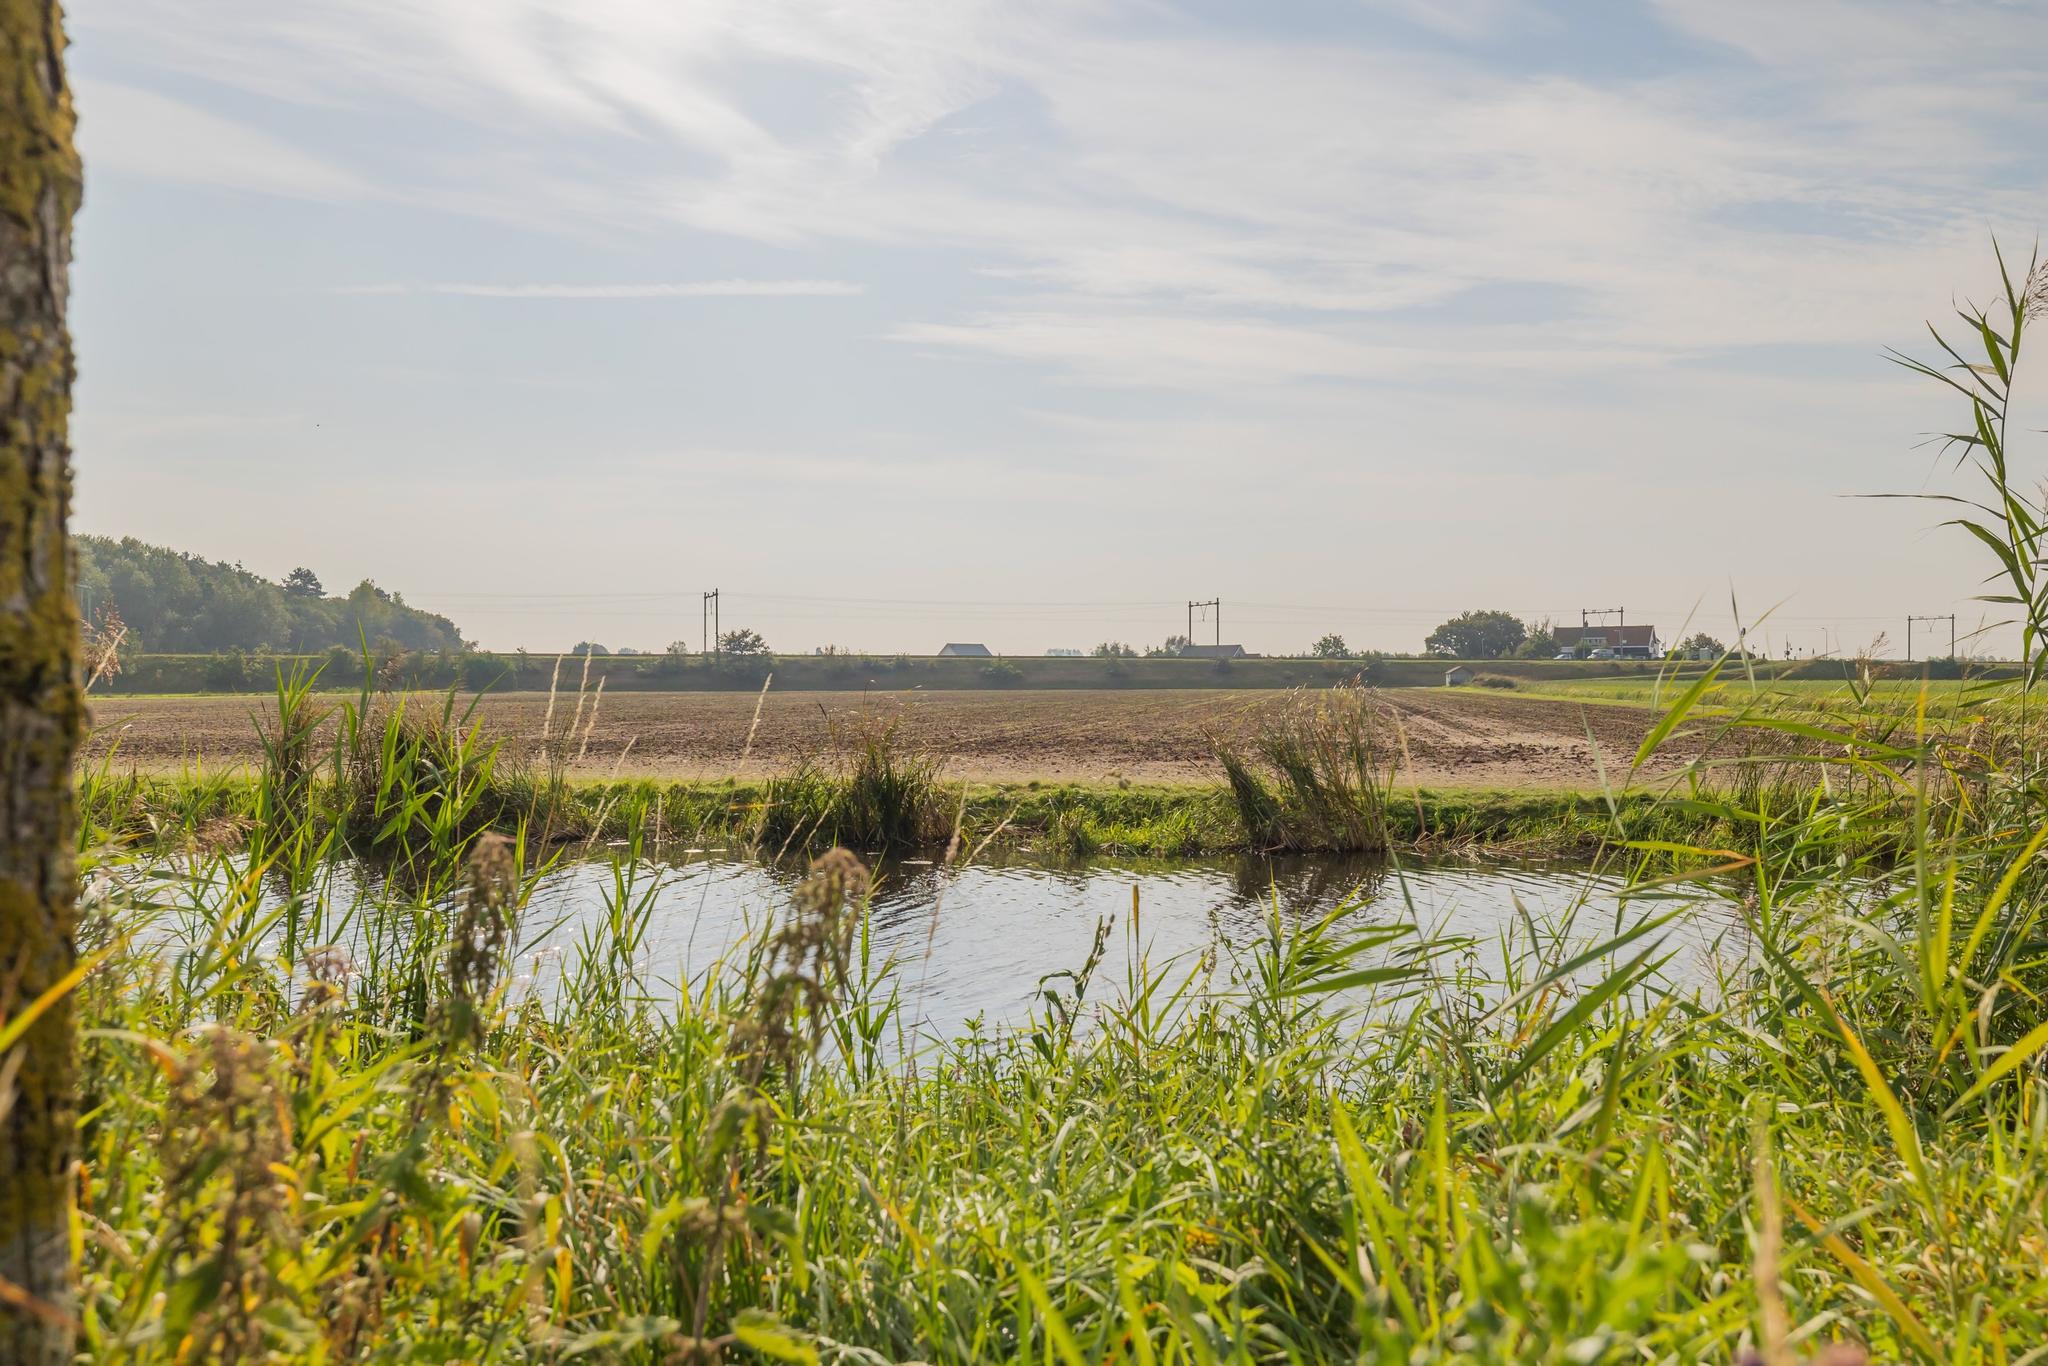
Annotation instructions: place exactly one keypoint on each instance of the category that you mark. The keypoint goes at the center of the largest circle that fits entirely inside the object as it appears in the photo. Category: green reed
(334, 1111)
(1344, 1142)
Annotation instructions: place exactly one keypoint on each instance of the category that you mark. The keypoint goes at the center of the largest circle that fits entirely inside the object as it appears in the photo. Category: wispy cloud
(1386, 240)
(687, 289)
(1171, 169)
(142, 133)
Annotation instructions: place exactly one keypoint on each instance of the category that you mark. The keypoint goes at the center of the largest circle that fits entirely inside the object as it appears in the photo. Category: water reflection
(975, 941)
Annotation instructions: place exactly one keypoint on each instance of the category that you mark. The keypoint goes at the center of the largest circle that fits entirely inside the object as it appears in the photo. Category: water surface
(976, 941)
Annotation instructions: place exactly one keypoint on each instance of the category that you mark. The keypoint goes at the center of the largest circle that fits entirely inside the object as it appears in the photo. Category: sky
(908, 321)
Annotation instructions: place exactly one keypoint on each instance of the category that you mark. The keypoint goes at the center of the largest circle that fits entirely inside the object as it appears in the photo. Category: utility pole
(1216, 603)
(1586, 615)
(709, 623)
(1950, 619)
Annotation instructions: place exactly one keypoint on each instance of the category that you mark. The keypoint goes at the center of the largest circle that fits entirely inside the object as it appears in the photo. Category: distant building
(955, 650)
(1457, 674)
(1066, 654)
(1213, 652)
(1626, 642)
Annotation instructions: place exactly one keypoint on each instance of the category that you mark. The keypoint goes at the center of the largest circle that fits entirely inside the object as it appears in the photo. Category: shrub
(341, 665)
(228, 671)
(484, 671)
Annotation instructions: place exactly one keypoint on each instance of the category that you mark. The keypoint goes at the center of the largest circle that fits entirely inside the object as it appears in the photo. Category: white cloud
(1378, 265)
(1232, 171)
(1209, 184)
(1167, 350)
(1465, 19)
(1988, 38)
(692, 289)
(139, 132)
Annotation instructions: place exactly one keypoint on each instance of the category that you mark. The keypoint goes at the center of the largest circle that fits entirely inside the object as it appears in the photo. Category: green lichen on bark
(41, 704)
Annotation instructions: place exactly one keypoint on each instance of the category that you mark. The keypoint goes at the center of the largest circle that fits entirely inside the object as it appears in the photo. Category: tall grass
(1316, 773)
(1368, 1145)
(873, 793)
(326, 1117)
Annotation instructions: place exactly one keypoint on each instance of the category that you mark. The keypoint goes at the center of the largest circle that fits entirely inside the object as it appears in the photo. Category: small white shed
(1457, 674)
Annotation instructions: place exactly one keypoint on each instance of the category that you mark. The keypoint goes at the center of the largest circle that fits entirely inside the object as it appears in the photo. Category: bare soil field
(1454, 739)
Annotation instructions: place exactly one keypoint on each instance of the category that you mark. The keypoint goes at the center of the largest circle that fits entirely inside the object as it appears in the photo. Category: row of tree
(735, 642)
(1503, 635)
(173, 603)
(1116, 649)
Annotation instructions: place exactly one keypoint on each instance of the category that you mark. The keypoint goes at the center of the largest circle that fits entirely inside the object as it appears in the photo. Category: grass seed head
(481, 931)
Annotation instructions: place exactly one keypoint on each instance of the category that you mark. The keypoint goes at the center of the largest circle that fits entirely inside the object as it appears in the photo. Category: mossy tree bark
(41, 702)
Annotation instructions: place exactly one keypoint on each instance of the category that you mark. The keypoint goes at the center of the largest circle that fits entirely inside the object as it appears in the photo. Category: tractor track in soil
(1451, 738)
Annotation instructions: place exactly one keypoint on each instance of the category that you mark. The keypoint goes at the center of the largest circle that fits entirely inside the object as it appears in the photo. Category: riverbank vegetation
(329, 1119)
(329, 1114)
(1321, 772)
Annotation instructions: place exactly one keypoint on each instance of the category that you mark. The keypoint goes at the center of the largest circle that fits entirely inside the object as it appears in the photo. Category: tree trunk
(42, 705)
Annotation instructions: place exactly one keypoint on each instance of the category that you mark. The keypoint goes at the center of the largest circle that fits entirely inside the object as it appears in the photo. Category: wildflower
(481, 930)
(228, 1196)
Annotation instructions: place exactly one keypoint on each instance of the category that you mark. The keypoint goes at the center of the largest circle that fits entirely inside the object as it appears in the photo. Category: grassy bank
(388, 775)
(1369, 1145)
(1733, 690)
(325, 1120)
(1044, 819)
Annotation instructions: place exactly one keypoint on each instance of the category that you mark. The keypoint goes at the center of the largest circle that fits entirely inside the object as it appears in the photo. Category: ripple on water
(976, 941)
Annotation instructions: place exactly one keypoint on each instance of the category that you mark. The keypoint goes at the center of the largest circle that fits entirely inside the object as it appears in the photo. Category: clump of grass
(205, 809)
(1500, 681)
(1316, 773)
(290, 761)
(415, 784)
(892, 796)
(879, 794)
(1070, 831)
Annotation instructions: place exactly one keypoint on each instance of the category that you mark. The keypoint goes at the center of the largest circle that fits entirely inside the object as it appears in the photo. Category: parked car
(1567, 654)
(1601, 654)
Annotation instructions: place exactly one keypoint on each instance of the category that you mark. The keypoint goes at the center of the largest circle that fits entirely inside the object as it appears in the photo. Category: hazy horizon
(930, 320)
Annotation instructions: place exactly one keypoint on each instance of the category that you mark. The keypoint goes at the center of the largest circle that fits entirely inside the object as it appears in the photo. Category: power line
(1049, 606)
(1950, 619)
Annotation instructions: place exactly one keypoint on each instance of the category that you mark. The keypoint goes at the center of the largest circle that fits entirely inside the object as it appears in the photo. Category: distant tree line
(1117, 649)
(174, 603)
(1484, 635)
(1503, 635)
(1493, 635)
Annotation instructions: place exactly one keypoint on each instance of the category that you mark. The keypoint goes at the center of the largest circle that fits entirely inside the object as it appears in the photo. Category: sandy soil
(1454, 738)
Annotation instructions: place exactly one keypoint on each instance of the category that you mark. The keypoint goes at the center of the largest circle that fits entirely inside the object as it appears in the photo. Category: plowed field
(1453, 738)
